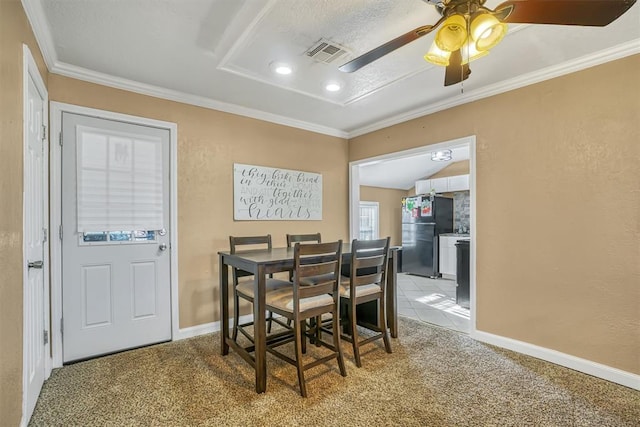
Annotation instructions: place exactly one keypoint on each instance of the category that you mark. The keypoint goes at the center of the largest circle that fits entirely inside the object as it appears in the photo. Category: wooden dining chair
(243, 282)
(367, 282)
(318, 267)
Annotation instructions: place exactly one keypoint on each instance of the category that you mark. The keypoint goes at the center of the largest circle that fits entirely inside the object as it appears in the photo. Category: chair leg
(354, 333)
(236, 315)
(299, 365)
(336, 344)
(382, 324)
(270, 321)
(318, 333)
(303, 328)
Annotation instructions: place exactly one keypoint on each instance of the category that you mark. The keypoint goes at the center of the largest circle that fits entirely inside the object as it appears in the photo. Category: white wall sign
(262, 193)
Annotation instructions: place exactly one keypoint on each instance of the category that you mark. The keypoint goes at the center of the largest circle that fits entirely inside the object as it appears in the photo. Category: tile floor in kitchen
(432, 301)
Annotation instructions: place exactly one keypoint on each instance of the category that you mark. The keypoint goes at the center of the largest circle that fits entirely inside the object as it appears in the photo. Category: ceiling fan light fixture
(441, 156)
(487, 31)
(437, 56)
(453, 33)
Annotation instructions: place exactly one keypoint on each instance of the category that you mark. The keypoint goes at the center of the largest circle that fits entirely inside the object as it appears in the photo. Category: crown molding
(623, 50)
(84, 74)
(40, 26)
(36, 16)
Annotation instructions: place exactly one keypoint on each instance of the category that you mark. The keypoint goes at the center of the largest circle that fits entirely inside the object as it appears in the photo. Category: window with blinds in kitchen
(369, 220)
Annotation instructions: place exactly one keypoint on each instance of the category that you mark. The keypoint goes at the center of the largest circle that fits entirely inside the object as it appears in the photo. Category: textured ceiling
(218, 53)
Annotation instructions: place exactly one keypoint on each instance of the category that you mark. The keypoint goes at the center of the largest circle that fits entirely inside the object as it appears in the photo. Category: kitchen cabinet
(458, 183)
(447, 261)
(423, 186)
(447, 247)
(447, 184)
(440, 185)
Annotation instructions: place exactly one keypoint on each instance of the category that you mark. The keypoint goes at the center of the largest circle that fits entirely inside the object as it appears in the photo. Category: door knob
(163, 246)
(35, 264)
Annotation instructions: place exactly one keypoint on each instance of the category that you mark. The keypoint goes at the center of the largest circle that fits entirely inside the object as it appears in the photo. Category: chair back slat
(371, 261)
(368, 279)
(292, 239)
(307, 270)
(256, 242)
(318, 249)
(315, 290)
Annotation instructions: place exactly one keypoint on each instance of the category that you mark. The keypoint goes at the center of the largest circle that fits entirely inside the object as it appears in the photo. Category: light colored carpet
(435, 377)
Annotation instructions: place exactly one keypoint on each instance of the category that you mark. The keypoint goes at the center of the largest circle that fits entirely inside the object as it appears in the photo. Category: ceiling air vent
(326, 51)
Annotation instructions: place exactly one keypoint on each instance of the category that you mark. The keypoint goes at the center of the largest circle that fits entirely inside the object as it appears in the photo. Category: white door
(35, 336)
(116, 290)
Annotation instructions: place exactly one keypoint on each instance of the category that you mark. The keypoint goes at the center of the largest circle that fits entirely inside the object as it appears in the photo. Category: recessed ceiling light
(332, 87)
(281, 68)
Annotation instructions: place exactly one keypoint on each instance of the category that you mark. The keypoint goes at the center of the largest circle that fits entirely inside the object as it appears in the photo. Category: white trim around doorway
(354, 199)
(55, 219)
(30, 71)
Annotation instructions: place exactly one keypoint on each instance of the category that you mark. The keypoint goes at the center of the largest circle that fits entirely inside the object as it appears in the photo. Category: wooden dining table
(264, 262)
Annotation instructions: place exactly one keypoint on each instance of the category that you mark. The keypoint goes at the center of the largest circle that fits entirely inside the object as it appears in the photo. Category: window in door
(369, 220)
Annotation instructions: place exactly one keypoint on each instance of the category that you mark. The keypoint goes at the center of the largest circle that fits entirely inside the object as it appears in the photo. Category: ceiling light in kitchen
(441, 156)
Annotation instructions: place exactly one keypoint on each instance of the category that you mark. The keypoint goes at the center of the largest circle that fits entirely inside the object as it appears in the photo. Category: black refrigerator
(424, 218)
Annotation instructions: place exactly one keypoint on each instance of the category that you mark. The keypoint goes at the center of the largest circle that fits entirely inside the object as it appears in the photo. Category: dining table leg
(260, 330)
(224, 306)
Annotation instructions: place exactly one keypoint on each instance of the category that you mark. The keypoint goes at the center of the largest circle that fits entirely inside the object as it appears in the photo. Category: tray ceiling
(222, 53)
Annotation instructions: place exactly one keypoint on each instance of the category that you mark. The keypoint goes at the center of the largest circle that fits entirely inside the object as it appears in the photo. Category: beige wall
(548, 156)
(209, 142)
(389, 209)
(14, 31)
(558, 212)
(454, 169)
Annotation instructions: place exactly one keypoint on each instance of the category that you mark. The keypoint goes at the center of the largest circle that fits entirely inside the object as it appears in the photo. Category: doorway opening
(437, 294)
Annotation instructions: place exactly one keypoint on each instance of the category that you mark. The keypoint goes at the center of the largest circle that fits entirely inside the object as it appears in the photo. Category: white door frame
(30, 72)
(57, 108)
(354, 200)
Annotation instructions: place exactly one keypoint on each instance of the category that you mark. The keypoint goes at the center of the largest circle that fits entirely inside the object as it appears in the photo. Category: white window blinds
(119, 181)
(369, 223)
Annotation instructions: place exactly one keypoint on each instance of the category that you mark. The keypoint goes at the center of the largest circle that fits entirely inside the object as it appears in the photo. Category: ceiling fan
(468, 29)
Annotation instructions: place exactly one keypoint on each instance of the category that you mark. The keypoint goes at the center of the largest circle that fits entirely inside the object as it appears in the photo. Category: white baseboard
(599, 370)
(206, 328)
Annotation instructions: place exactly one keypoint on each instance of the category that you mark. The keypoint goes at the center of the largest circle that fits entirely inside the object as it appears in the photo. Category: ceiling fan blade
(388, 47)
(597, 13)
(456, 72)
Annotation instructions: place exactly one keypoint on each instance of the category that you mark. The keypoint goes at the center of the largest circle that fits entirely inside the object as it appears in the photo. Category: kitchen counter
(461, 236)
